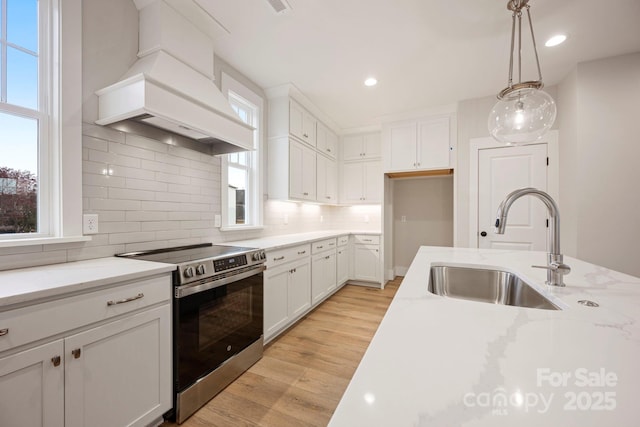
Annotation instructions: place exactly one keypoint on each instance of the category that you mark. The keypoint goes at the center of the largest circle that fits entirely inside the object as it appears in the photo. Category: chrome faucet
(555, 267)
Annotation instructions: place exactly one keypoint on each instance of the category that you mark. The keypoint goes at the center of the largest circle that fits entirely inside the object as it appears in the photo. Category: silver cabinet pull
(76, 353)
(55, 360)
(279, 258)
(327, 257)
(366, 240)
(4, 332)
(302, 252)
(122, 301)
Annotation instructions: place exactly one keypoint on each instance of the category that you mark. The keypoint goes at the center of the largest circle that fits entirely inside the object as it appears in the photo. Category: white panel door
(119, 374)
(299, 289)
(352, 182)
(372, 182)
(500, 171)
(32, 387)
(402, 147)
(276, 301)
(433, 144)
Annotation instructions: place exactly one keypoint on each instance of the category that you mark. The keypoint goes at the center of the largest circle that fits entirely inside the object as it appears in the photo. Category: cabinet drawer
(323, 245)
(343, 240)
(282, 256)
(366, 239)
(24, 325)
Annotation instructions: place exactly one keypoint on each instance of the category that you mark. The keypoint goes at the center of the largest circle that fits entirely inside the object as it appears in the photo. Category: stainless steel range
(217, 318)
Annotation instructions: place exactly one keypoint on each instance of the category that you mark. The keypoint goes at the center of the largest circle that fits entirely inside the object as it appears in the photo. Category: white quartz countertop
(438, 361)
(26, 285)
(284, 240)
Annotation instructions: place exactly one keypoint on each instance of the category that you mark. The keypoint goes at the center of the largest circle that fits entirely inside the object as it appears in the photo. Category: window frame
(60, 129)
(231, 85)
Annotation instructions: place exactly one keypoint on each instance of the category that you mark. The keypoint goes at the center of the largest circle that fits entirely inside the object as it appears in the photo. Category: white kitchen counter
(284, 240)
(26, 285)
(438, 361)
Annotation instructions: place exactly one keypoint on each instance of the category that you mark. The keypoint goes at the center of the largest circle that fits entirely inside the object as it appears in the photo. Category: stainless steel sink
(486, 285)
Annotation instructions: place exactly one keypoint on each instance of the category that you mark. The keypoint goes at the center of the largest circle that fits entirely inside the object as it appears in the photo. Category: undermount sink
(486, 285)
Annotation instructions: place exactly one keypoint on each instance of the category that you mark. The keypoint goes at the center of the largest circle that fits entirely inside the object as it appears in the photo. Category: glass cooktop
(184, 254)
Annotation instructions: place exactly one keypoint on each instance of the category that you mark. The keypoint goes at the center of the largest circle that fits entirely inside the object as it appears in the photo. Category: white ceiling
(424, 53)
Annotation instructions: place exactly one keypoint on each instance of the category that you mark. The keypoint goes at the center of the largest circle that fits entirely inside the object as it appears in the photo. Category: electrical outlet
(90, 224)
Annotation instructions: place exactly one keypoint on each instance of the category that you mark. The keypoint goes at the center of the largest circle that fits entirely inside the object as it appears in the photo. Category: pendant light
(524, 112)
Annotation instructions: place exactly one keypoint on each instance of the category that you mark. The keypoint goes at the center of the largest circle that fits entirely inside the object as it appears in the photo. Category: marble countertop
(33, 284)
(438, 361)
(284, 240)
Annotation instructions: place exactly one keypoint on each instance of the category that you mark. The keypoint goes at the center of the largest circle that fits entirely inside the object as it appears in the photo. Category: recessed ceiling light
(371, 81)
(555, 40)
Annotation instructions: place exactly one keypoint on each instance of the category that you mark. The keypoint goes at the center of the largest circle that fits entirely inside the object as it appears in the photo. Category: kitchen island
(439, 361)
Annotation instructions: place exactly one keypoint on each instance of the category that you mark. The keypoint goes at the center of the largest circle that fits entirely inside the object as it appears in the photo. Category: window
(23, 116)
(241, 183)
(38, 154)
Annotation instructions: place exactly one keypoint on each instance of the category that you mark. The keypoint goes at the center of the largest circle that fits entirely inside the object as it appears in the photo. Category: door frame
(477, 144)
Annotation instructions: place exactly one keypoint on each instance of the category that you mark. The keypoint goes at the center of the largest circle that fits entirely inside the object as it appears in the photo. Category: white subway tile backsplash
(131, 151)
(89, 142)
(140, 236)
(103, 180)
(102, 132)
(146, 143)
(160, 225)
(147, 216)
(119, 227)
(172, 178)
(129, 194)
(152, 165)
(115, 159)
(114, 205)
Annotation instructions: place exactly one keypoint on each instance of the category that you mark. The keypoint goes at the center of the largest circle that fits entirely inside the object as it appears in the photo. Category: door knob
(483, 233)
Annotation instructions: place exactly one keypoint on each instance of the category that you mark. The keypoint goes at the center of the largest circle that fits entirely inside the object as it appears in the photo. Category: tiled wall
(148, 194)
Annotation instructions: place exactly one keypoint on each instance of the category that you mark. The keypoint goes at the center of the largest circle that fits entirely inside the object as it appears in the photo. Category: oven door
(213, 324)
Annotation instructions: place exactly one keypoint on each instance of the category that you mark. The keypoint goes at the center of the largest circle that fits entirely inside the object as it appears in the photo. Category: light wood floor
(305, 371)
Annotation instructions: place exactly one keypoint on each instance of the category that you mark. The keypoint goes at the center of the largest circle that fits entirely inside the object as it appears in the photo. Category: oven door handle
(184, 291)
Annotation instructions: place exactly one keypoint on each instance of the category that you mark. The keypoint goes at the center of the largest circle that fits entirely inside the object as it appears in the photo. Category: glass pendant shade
(522, 116)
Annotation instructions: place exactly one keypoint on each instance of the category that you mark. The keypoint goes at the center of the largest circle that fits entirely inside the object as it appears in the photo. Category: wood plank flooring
(305, 371)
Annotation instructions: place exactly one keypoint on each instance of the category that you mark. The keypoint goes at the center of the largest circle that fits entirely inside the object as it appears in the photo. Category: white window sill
(241, 227)
(42, 241)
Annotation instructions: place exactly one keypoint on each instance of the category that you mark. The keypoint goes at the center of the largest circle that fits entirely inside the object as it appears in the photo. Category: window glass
(22, 79)
(18, 174)
(22, 23)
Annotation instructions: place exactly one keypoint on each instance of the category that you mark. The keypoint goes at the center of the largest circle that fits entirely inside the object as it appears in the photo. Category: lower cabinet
(323, 275)
(287, 295)
(115, 373)
(366, 258)
(342, 265)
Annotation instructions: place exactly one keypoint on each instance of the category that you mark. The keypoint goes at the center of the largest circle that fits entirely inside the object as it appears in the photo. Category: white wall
(427, 205)
(602, 159)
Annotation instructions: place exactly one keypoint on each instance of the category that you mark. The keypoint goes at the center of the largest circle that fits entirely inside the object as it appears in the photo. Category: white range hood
(171, 86)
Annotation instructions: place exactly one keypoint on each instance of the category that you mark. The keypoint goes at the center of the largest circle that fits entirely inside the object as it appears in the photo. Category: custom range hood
(171, 85)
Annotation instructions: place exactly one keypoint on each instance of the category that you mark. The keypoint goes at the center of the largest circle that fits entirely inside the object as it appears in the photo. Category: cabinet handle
(293, 270)
(55, 360)
(367, 240)
(76, 353)
(327, 257)
(328, 150)
(4, 332)
(305, 135)
(306, 194)
(279, 258)
(328, 197)
(122, 301)
(302, 252)
(320, 247)
(376, 250)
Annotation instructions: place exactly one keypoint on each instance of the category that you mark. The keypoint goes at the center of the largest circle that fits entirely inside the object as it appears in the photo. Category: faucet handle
(558, 267)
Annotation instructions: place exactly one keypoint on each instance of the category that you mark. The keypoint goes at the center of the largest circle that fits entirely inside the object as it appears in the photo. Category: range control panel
(229, 263)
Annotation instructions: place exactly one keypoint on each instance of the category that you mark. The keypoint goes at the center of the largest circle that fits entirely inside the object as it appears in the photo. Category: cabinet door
(32, 387)
(276, 299)
(402, 147)
(373, 182)
(352, 182)
(119, 374)
(342, 265)
(331, 146)
(372, 145)
(433, 144)
(299, 287)
(309, 128)
(352, 147)
(331, 187)
(330, 276)
(321, 179)
(318, 281)
(302, 172)
(366, 259)
(296, 115)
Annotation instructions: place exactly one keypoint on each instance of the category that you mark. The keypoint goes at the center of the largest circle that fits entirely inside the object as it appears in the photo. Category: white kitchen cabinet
(287, 290)
(32, 387)
(362, 182)
(366, 258)
(114, 369)
(342, 265)
(326, 180)
(326, 141)
(302, 124)
(292, 170)
(417, 145)
(116, 373)
(361, 147)
(323, 275)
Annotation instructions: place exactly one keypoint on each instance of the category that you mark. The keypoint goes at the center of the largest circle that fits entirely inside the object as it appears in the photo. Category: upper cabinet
(423, 144)
(361, 147)
(326, 141)
(302, 124)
